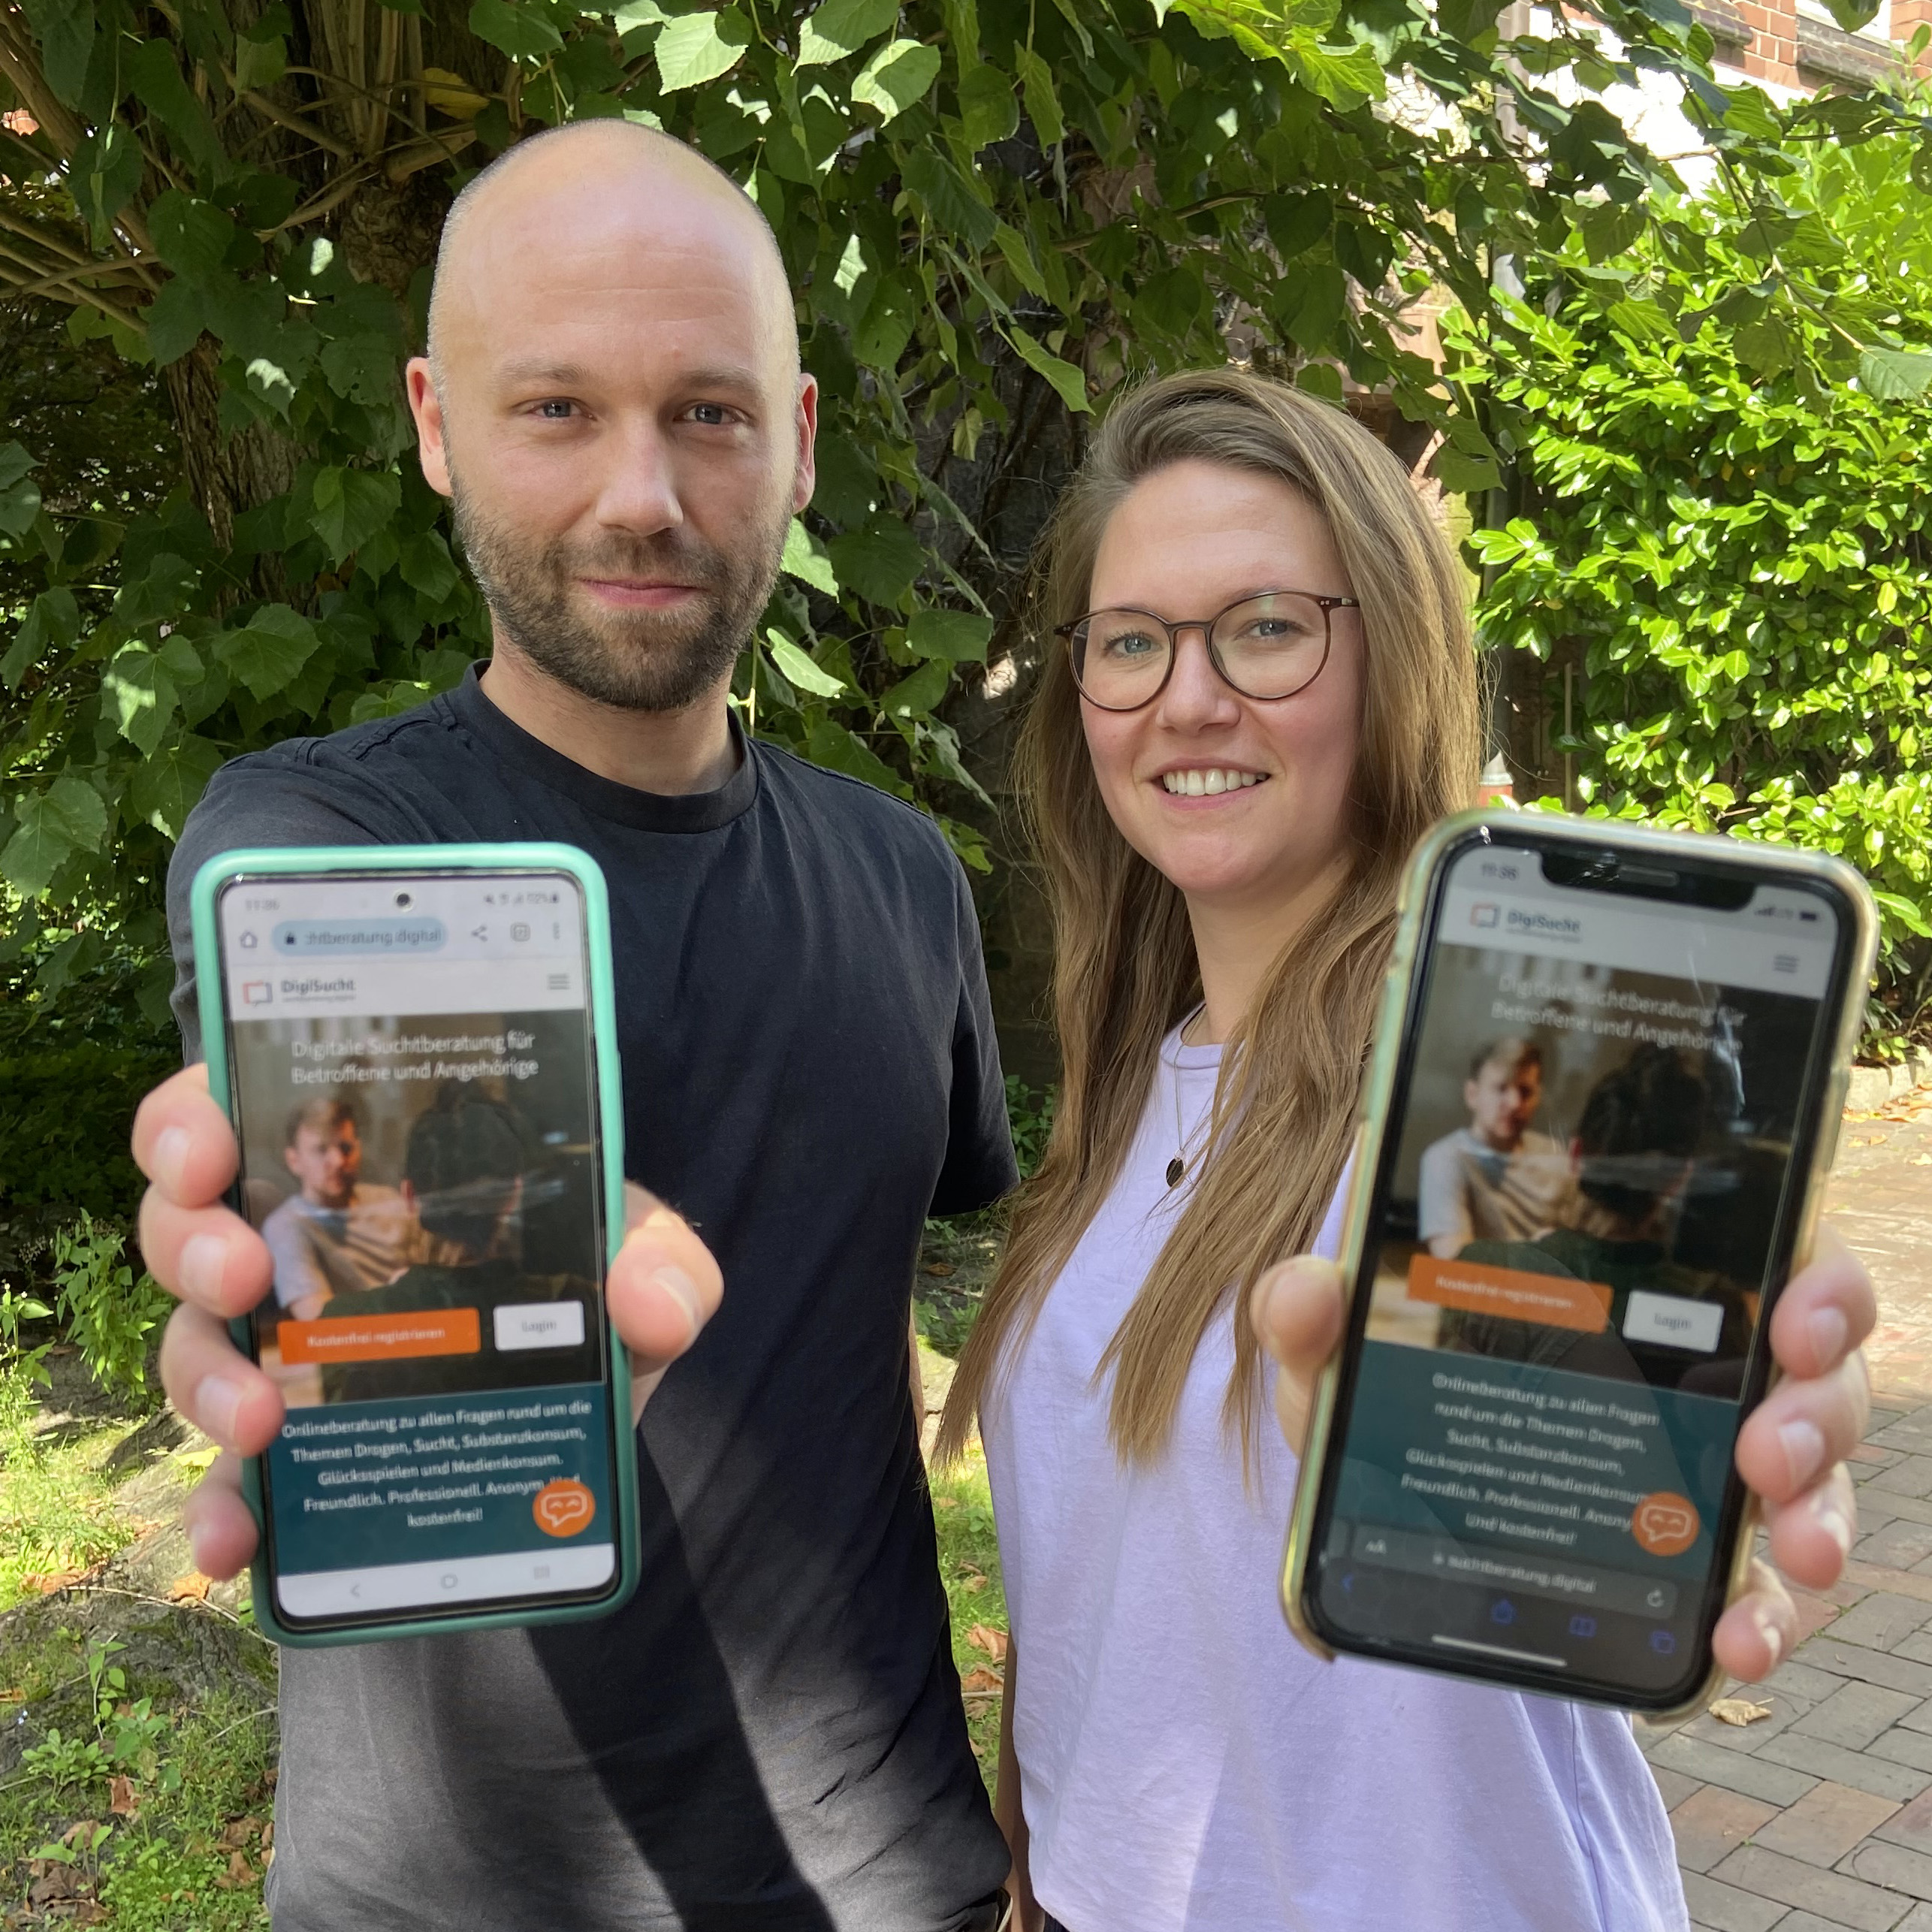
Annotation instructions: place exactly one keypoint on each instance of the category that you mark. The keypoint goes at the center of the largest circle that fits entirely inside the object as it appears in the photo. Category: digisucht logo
(1549, 925)
(312, 989)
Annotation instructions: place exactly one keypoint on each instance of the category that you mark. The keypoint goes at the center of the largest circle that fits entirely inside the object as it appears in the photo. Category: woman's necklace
(1178, 1166)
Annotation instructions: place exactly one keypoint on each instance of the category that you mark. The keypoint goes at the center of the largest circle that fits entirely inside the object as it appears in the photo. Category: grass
(969, 1562)
(57, 1514)
(956, 1263)
(137, 1737)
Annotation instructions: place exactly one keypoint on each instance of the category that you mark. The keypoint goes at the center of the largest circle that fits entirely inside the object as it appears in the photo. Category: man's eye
(713, 415)
(555, 411)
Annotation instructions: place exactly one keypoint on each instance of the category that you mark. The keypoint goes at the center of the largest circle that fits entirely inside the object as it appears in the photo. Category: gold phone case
(1429, 858)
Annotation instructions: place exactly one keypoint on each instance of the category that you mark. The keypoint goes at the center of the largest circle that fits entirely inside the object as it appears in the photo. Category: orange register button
(381, 1338)
(1554, 1300)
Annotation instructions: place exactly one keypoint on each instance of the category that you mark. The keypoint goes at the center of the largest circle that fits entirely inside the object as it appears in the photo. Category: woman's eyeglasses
(1266, 647)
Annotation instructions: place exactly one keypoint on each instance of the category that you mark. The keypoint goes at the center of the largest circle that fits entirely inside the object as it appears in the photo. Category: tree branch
(18, 62)
(294, 122)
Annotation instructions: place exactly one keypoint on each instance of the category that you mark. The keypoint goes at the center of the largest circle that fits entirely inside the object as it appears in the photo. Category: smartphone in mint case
(416, 1045)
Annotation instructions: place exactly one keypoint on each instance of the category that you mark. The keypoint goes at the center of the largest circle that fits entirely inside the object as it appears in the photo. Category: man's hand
(663, 1288)
(1790, 1450)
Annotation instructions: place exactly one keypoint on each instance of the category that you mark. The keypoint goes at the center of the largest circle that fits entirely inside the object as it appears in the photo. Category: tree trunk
(226, 474)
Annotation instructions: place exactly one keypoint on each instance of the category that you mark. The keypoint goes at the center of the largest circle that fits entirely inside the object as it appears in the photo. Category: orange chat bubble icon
(1665, 1523)
(563, 1508)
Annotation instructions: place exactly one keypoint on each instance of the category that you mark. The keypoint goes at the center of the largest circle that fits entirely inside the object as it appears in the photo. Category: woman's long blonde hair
(1125, 971)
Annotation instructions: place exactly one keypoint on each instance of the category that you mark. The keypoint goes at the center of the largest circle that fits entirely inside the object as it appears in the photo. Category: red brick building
(1796, 45)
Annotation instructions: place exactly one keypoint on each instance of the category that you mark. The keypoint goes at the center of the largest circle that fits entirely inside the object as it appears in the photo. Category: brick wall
(1772, 52)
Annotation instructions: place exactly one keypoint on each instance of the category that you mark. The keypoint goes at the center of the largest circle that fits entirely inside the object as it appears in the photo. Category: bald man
(768, 1737)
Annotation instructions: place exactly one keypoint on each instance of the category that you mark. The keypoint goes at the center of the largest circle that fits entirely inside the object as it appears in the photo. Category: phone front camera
(404, 899)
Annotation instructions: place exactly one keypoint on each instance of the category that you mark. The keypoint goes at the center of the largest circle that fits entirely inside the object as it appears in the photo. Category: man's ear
(806, 478)
(426, 405)
(289, 1161)
(409, 1197)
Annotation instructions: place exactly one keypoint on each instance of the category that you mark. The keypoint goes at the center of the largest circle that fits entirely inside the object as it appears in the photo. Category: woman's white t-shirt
(1185, 1765)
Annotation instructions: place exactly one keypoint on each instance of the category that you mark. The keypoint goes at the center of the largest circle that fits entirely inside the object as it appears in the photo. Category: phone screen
(1585, 1196)
(413, 1079)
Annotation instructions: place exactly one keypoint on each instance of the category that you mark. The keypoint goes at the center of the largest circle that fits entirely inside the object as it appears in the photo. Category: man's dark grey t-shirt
(769, 1737)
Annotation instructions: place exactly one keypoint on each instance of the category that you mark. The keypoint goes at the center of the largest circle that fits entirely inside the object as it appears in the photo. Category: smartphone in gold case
(1607, 1080)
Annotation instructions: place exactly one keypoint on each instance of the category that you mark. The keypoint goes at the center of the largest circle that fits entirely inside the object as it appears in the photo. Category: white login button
(1670, 1319)
(540, 1325)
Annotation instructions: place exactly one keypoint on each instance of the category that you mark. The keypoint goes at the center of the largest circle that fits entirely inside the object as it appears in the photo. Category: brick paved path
(1818, 1817)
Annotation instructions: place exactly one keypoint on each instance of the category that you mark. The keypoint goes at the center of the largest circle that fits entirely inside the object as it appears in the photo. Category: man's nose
(1197, 693)
(638, 490)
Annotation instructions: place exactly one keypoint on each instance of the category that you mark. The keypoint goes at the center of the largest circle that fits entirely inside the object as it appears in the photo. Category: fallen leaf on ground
(123, 1801)
(1739, 1710)
(982, 1681)
(941, 1268)
(984, 1636)
(973, 1578)
(239, 1872)
(44, 1583)
(945, 1502)
(193, 1588)
(1922, 1161)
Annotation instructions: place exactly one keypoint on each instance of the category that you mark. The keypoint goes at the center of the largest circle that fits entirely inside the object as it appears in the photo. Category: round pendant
(1176, 1168)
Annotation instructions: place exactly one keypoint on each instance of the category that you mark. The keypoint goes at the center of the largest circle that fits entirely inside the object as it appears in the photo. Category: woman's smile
(1208, 781)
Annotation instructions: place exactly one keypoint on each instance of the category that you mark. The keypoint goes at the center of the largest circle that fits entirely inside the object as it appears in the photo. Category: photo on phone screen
(412, 1072)
(1599, 1102)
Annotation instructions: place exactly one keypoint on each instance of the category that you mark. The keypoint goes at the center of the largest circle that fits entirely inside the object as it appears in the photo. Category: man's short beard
(635, 660)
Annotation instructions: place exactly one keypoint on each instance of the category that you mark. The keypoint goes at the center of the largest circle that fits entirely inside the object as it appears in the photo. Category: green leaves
(138, 696)
(955, 206)
(351, 505)
(52, 620)
(988, 110)
(695, 48)
(959, 636)
(878, 562)
(164, 790)
(1895, 375)
(805, 558)
(268, 651)
(1069, 384)
(898, 77)
(522, 32)
(20, 495)
(1724, 572)
(192, 237)
(1043, 99)
(799, 670)
(49, 827)
(65, 30)
(842, 27)
(105, 172)
(959, 315)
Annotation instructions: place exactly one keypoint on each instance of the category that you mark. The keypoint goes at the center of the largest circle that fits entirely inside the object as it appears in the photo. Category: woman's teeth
(1204, 784)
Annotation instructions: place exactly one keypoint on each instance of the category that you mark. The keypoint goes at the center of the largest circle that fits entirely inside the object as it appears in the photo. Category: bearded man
(769, 1735)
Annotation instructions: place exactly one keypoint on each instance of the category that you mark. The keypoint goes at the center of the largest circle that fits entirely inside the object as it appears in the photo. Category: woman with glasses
(1263, 691)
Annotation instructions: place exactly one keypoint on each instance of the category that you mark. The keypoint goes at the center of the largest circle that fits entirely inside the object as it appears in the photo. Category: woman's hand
(663, 1288)
(1790, 1451)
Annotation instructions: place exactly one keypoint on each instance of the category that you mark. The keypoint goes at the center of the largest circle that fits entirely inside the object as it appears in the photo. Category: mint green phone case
(217, 873)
